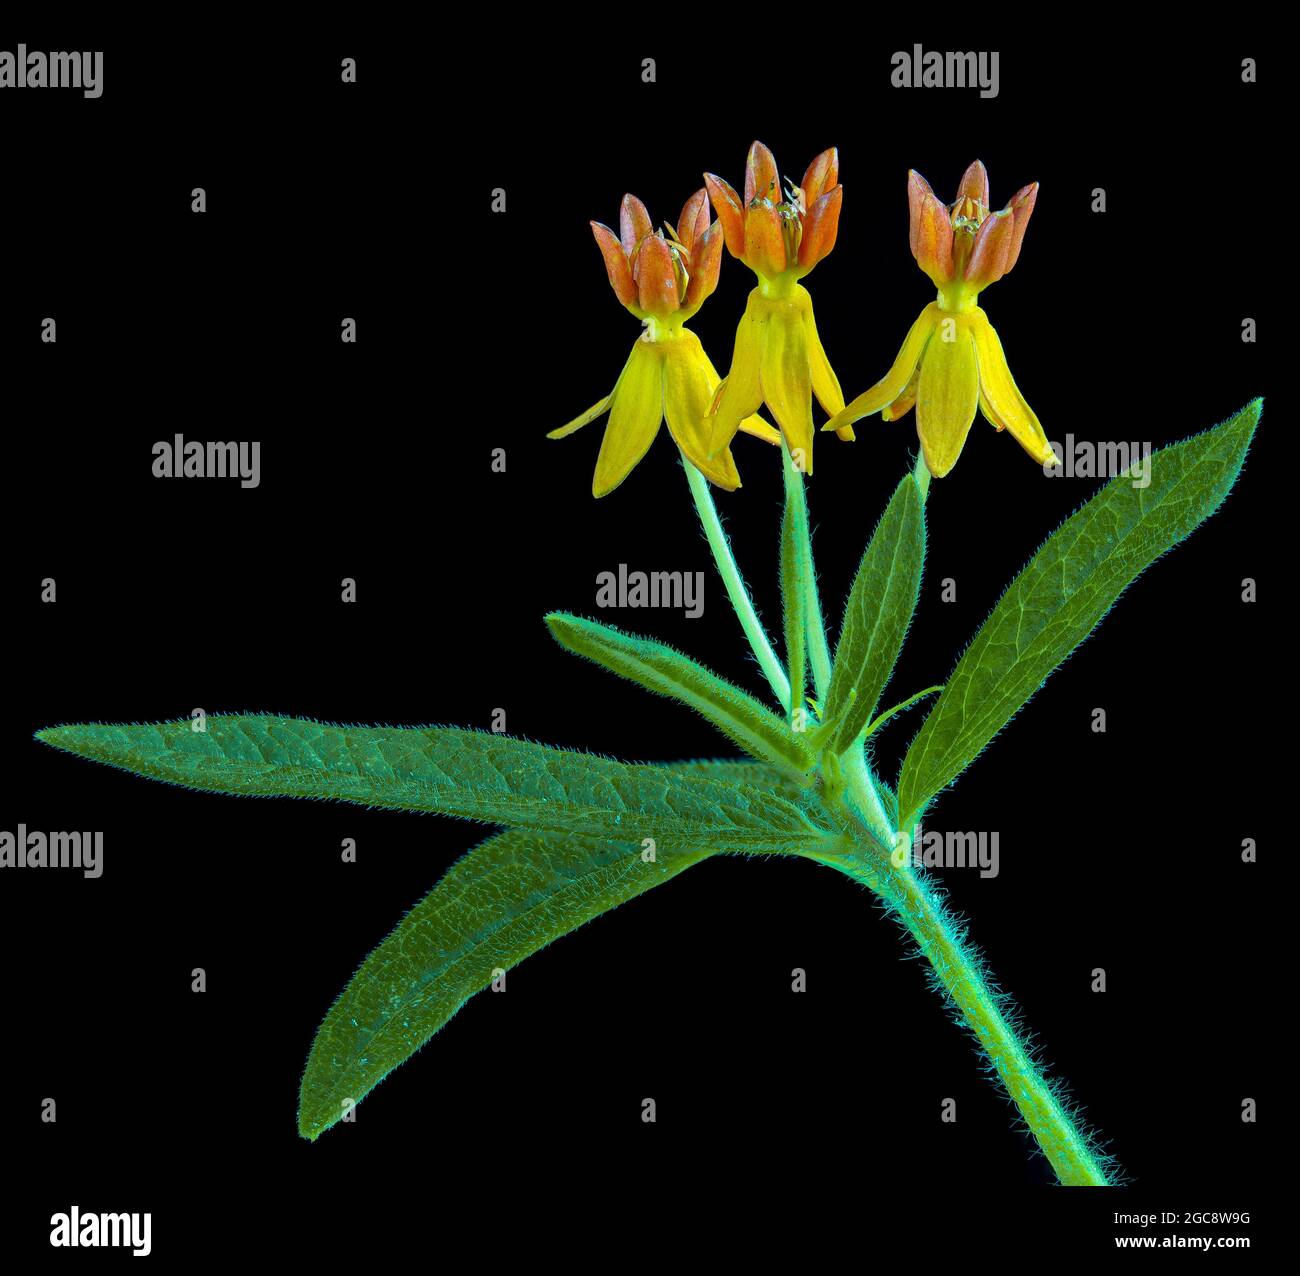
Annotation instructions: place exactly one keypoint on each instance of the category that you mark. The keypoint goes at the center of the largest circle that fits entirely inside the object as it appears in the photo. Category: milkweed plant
(580, 833)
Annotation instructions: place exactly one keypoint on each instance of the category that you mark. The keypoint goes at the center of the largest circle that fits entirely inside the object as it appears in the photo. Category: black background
(480, 331)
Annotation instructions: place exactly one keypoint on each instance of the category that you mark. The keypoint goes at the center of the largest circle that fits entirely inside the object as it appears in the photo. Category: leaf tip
(309, 1130)
(562, 625)
(56, 737)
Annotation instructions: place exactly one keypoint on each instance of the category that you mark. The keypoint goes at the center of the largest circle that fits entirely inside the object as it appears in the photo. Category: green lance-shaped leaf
(473, 774)
(877, 615)
(659, 668)
(757, 775)
(1062, 595)
(499, 904)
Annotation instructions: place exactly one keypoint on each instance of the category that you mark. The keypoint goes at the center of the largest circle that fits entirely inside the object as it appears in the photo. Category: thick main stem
(735, 584)
(958, 969)
(959, 972)
(862, 789)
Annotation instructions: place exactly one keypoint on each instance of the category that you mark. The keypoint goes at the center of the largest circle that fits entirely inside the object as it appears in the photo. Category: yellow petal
(1005, 405)
(635, 411)
(760, 429)
(825, 384)
(689, 382)
(989, 414)
(787, 378)
(905, 402)
(895, 381)
(755, 424)
(741, 392)
(947, 393)
(596, 409)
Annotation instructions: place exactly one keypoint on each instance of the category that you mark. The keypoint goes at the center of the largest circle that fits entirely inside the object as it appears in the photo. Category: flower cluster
(950, 364)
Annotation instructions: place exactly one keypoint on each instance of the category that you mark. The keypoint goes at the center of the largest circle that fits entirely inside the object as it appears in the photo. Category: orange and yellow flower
(778, 357)
(952, 360)
(663, 280)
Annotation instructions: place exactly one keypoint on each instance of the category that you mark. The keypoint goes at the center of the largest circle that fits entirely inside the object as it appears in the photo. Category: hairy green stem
(736, 591)
(794, 598)
(960, 973)
(1065, 1146)
(819, 654)
(921, 472)
(862, 789)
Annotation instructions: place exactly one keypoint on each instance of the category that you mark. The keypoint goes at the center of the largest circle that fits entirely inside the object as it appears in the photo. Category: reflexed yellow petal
(754, 425)
(895, 381)
(689, 382)
(825, 384)
(989, 414)
(905, 402)
(1007, 408)
(596, 409)
(787, 379)
(760, 429)
(741, 392)
(947, 394)
(635, 411)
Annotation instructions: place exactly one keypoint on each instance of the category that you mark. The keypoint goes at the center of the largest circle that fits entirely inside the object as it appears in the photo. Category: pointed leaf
(659, 668)
(473, 774)
(1062, 595)
(499, 904)
(877, 614)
